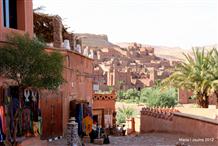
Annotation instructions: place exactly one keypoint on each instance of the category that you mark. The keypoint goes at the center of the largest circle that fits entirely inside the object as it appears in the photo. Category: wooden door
(51, 108)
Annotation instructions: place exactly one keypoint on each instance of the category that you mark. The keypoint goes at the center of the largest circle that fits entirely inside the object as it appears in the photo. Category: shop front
(22, 112)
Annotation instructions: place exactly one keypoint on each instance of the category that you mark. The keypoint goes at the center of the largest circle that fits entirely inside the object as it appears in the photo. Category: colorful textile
(87, 124)
(3, 118)
(26, 120)
(34, 109)
(40, 126)
(1, 132)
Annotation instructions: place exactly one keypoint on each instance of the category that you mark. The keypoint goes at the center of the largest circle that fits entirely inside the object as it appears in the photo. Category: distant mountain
(95, 40)
(170, 53)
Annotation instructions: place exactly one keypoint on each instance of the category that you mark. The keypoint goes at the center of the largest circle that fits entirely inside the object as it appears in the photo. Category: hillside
(95, 41)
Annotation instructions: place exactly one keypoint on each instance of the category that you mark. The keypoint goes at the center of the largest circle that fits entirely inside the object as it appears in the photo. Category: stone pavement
(148, 139)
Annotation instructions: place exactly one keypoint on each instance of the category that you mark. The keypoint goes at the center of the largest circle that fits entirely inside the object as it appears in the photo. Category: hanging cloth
(87, 124)
(26, 120)
(3, 118)
(1, 132)
(27, 98)
(34, 105)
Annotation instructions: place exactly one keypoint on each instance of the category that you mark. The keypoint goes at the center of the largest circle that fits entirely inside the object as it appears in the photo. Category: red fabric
(2, 114)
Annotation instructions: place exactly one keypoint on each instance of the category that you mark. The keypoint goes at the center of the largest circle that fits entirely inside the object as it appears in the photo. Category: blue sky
(182, 23)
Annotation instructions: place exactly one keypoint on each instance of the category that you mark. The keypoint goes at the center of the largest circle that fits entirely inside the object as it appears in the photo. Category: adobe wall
(195, 125)
(24, 22)
(78, 71)
(78, 75)
(169, 120)
(185, 94)
(104, 101)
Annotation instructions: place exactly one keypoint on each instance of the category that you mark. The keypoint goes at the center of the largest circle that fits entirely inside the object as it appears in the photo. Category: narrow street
(149, 139)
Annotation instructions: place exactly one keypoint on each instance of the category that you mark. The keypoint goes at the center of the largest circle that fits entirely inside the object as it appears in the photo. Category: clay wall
(169, 120)
(78, 73)
(24, 19)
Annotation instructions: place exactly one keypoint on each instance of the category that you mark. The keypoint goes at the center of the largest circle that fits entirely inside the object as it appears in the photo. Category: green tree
(24, 60)
(194, 74)
(120, 95)
(132, 95)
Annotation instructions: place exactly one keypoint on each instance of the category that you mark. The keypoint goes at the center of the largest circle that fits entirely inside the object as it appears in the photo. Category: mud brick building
(134, 66)
(104, 109)
(15, 17)
(74, 96)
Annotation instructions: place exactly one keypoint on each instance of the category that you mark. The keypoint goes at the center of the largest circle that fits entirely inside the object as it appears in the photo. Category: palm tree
(125, 113)
(214, 73)
(194, 74)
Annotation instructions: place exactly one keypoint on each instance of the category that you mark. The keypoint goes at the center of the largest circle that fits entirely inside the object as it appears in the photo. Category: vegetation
(124, 113)
(198, 74)
(129, 96)
(152, 96)
(162, 98)
(24, 61)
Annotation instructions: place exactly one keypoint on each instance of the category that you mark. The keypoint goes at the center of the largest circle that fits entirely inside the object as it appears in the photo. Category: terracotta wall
(106, 104)
(78, 71)
(185, 94)
(190, 125)
(24, 22)
(195, 125)
(104, 101)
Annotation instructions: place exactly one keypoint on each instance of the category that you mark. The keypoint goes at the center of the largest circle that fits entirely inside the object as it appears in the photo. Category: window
(10, 13)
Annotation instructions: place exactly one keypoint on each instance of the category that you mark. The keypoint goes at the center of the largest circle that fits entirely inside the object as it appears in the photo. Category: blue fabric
(1, 131)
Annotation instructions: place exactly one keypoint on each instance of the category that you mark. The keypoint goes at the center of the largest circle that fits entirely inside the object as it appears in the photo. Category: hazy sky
(183, 23)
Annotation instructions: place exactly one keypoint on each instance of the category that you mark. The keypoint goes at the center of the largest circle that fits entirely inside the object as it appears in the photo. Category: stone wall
(170, 120)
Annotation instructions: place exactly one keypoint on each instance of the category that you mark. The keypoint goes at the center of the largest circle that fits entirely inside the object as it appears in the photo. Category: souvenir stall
(28, 119)
(80, 110)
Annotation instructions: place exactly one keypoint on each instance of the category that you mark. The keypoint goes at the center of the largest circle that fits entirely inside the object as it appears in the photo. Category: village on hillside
(63, 88)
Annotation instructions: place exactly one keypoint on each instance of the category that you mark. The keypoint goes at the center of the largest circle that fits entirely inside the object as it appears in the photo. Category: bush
(120, 95)
(132, 95)
(152, 96)
(166, 98)
(146, 93)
